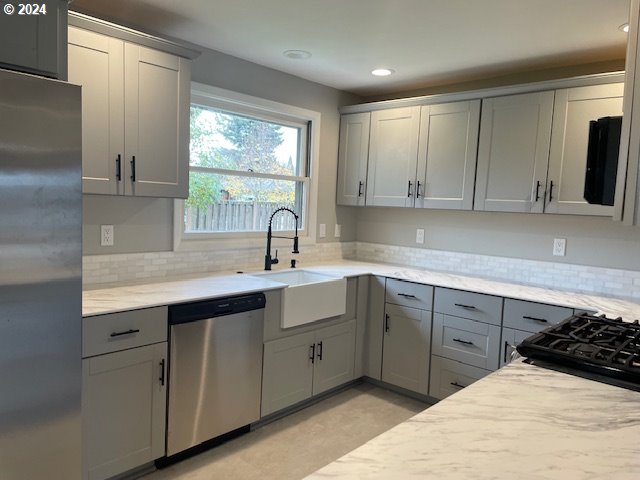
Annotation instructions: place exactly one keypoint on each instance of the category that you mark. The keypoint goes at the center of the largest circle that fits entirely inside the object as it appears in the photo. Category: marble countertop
(522, 422)
(100, 300)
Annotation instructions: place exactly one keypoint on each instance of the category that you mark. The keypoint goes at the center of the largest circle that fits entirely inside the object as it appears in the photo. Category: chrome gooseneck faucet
(268, 261)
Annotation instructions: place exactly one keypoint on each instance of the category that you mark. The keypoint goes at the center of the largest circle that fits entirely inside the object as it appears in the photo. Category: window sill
(239, 241)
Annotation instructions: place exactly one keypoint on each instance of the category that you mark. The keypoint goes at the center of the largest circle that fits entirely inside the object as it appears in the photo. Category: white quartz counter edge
(121, 298)
(521, 422)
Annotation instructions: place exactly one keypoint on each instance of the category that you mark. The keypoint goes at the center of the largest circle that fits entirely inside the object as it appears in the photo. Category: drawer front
(120, 331)
(532, 317)
(409, 294)
(476, 306)
(468, 341)
(448, 376)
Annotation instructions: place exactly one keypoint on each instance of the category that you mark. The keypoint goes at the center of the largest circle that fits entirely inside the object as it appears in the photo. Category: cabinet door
(393, 153)
(335, 356)
(513, 152)
(353, 154)
(573, 109)
(406, 350)
(447, 155)
(123, 410)
(510, 340)
(156, 93)
(287, 372)
(96, 63)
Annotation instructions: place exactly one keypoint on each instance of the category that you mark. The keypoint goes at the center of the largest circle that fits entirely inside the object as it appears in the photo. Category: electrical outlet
(106, 235)
(559, 247)
(323, 230)
(338, 231)
(420, 235)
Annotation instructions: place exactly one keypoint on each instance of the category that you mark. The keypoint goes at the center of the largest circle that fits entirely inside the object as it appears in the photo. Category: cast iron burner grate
(603, 346)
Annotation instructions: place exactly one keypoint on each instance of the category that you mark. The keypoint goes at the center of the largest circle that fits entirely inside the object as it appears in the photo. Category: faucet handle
(275, 260)
(293, 263)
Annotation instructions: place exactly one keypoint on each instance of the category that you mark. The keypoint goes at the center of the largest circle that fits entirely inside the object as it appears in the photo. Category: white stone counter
(521, 422)
(120, 298)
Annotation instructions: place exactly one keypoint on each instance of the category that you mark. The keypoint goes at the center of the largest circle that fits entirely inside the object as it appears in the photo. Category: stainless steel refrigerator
(40, 278)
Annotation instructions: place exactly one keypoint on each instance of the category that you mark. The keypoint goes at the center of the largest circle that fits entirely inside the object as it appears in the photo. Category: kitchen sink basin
(309, 296)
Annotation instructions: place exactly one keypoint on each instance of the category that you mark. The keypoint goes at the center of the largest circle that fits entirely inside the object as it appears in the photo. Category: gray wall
(144, 225)
(590, 240)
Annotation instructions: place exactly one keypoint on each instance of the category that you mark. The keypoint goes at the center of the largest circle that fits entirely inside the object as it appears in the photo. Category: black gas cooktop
(594, 347)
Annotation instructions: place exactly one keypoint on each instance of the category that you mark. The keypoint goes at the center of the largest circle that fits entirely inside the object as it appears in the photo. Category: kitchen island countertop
(520, 422)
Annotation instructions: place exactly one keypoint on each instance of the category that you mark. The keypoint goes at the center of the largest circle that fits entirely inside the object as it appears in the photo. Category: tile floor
(301, 443)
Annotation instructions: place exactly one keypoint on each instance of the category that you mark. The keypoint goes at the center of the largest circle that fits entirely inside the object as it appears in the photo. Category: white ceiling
(426, 42)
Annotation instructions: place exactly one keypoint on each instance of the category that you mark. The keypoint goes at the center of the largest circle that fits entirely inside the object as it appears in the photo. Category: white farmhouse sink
(309, 296)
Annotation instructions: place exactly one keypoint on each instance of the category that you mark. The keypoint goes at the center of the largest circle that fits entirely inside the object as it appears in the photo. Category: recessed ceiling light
(624, 28)
(297, 54)
(382, 72)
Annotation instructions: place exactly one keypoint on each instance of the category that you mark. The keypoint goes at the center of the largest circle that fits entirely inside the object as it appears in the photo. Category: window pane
(228, 203)
(235, 142)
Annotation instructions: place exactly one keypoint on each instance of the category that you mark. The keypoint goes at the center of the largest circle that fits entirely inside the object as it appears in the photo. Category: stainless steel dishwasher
(215, 368)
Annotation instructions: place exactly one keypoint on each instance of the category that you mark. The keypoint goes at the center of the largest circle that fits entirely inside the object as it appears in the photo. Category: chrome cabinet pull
(128, 332)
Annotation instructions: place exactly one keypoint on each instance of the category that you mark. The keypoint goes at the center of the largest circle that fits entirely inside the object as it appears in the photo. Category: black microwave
(602, 160)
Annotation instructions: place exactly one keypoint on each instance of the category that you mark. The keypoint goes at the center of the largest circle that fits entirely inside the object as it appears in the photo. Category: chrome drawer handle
(543, 320)
(406, 295)
(457, 385)
(470, 307)
(464, 342)
(128, 332)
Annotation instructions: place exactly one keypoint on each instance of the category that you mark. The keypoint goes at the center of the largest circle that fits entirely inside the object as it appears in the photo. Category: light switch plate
(106, 235)
(338, 231)
(420, 235)
(323, 230)
(559, 247)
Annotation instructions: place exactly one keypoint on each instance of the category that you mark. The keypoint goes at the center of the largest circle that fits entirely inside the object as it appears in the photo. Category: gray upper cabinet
(513, 152)
(447, 155)
(135, 116)
(573, 109)
(96, 62)
(353, 154)
(393, 153)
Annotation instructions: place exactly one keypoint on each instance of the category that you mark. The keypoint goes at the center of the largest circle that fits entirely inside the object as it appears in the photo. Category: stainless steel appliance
(40, 278)
(215, 368)
(595, 347)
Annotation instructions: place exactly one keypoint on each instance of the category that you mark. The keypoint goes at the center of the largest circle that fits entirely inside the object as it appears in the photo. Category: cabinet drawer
(123, 330)
(468, 341)
(476, 306)
(448, 376)
(532, 317)
(409, 294)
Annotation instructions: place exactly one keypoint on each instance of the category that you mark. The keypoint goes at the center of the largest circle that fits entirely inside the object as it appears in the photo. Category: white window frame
(233, 102)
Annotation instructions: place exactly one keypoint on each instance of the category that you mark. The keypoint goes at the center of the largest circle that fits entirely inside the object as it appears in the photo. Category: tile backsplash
(131, 267)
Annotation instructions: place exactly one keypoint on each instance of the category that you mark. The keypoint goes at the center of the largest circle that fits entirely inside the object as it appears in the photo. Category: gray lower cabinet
(449, 376)
(300, 366)
(406, 348)
(511, 338)
(123, 391)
